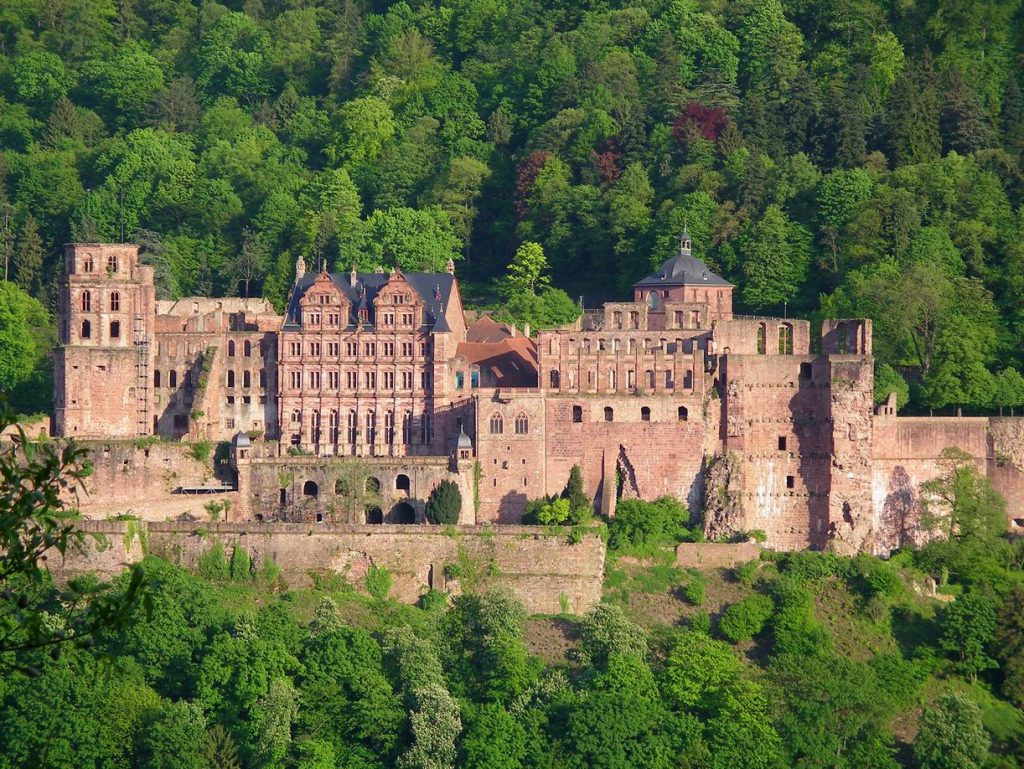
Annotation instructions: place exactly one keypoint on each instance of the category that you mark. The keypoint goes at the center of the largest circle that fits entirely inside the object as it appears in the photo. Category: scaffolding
(141, 341)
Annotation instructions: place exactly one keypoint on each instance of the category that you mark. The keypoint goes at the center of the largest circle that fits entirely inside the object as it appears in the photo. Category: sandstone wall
(543, 570)
(145, 480)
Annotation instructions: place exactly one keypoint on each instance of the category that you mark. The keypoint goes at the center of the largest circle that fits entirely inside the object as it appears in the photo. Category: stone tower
(103, 358)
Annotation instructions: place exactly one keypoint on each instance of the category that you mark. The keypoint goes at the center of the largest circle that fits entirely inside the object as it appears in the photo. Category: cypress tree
(28, 257)
(444, 503)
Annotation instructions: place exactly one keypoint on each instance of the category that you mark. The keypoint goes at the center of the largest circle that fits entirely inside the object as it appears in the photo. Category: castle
(379, 380)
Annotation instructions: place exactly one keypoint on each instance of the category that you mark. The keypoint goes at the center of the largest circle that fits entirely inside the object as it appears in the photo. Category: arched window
(684, 415)
(609, 414)
(353, 425)
(649, 376)
(115, 329)
(314, 426)
(231, 379)
(611, 379)
(231, 348)
(86, 301)
(402, 483)
(407, 428)
(86, 329)
(762, 334)
(645, 414)
(296, 417)
(577, 413)
(247, 348)
(403, 513)
(554, 378)
(115, 301)
(522, 424)
(156, 378)
(111, 263)
(89, 265)
(805, 371)
(785, 339)
(371, 426)
(497, 424)
(332, 423)
(372, 485)
(389, 427)
(310, 489)
(688, 379)
(246, 379)
(374, 515)
(172, 378)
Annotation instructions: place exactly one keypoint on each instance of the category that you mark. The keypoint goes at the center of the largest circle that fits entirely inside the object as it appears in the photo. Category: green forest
(850, 158)
(803, 659)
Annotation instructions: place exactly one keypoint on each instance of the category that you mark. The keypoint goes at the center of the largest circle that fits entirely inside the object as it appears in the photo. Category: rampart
(547, 572)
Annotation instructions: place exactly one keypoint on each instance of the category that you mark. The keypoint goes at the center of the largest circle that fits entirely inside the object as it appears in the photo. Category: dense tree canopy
(853, 158)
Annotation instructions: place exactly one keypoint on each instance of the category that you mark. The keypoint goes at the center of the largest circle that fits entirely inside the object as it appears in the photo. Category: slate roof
(683, 269)
(434, 288)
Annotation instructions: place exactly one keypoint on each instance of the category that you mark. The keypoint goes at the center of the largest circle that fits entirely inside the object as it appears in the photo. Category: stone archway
(374, 515)
(403, 513)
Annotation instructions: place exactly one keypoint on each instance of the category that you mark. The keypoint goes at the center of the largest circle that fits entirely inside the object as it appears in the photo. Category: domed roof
(683, 269)
(463, 441)
(241, 440)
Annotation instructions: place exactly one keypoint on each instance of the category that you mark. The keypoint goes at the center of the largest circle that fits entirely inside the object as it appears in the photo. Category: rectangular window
(389, 380)
(425, 380)
(406, 349)
(474, 378)
(782, 443)
(388, 349)
(790, 482)
(314, 349)
(351, 349)
(370, 380)
(406, 380)
(351, 380)
(460, 380)
(295, 349)
(333, 349)
(370, 349)
(229, 423)
(333, 378)
(296, 380)
(314, 380)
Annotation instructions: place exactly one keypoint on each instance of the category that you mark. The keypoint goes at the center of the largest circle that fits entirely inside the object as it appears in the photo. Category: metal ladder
(142, 365)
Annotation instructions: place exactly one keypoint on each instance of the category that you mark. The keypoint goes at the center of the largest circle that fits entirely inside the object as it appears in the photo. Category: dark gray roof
(683, 269)
(434, 288)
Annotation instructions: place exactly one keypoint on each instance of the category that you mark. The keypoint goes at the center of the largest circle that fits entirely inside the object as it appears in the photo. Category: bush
(240, 565)
(433, 600)
(444, 503)
(746, 572)
(378, 582)
(213, 564)
(876, 577)
(700, 622)
(640, 524)
(807, 565)
(694, 591)
(744, 620)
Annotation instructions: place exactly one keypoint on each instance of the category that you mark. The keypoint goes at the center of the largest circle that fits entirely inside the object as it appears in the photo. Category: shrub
(240, 565)
(700, 622)
(744, 620)
(444, 503)
(694, 591)
(433, 600)
(378, 582)
(808, 565)
(200, 451)
(876, 577)
(639, 524)
(746, 573)
(213, 564)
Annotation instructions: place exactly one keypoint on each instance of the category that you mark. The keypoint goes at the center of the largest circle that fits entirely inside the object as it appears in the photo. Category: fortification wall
(544, 571)
(1006, 464)
(144, 480)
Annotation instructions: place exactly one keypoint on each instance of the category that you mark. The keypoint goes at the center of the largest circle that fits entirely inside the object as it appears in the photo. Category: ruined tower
(103, 357)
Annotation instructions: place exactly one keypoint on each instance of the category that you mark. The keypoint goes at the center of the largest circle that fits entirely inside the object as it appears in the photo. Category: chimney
(526, 330)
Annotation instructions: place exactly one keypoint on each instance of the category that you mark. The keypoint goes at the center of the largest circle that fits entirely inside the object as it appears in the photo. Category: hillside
(852, 158)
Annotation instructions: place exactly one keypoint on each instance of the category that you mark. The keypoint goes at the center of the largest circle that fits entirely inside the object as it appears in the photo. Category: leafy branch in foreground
(35, 522)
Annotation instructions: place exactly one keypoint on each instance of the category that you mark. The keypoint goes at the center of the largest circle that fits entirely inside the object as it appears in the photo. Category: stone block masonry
(547, 572)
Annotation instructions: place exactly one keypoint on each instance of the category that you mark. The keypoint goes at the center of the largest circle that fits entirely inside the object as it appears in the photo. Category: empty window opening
(577, 413)
(790, 482)
(309, 489)
(115, 329)
(403, 513)
(683, 414)
(805, 370)
(86, 329)
(609, 414)
(374, 515)
(645, 414)
(402, 483)
(782, 443)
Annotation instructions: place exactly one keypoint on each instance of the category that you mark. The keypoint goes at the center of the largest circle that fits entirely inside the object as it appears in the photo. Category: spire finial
(450, 267)
(684, 241)
(300, 268)
(352, 276)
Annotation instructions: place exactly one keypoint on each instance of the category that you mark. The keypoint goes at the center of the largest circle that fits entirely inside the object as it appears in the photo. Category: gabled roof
(512, 362)
(683, 269)
(484, 328)
(433, 288)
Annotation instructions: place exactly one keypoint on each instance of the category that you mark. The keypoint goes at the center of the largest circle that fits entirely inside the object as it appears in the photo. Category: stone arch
(372, 485)
(609, 414)
(577, 413)
(645, 414)
(310, 489)
(403, 513)
(231, 348)
(402, 483)
(374, 515)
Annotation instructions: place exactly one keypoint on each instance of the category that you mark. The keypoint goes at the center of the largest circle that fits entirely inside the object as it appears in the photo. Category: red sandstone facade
(668, 394)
